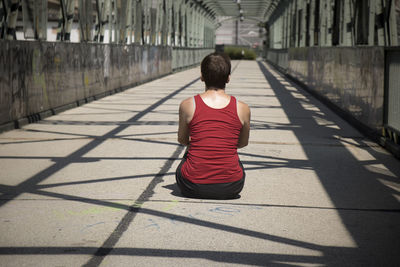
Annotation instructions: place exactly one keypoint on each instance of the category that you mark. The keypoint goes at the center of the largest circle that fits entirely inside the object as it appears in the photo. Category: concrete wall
(184, 57)
(278, 57)
(351, 78)
(40, 76)
(393, 91)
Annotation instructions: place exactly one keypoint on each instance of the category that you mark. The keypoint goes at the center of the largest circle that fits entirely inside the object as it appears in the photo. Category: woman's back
(214, 131)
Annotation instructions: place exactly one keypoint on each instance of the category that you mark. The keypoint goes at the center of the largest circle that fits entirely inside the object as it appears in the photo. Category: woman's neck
(214, 93)
(212, 89)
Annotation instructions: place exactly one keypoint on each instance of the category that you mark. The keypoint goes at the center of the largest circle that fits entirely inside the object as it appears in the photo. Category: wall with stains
(352, 78)
(42, 76)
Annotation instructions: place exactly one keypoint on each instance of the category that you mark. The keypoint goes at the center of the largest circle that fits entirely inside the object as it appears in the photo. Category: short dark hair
(215, 69)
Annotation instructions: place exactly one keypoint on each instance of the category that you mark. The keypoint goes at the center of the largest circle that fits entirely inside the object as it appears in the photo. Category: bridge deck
(95, 185)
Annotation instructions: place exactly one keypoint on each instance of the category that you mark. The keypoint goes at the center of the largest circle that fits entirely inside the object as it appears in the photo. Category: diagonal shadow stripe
(131, 177)
(234, 257)
(112, 240)
(39, 177)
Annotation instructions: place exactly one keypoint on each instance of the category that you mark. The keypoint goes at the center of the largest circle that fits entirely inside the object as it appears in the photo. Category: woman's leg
(209, 191)
(187, 188)
(222, 190)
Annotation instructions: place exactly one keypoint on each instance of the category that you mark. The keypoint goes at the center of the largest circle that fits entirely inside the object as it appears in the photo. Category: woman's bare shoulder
(186, 109)
(187, 104)
(243, 111)
(242, 106)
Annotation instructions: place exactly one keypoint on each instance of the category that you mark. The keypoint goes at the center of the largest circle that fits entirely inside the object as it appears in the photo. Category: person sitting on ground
(213, 125)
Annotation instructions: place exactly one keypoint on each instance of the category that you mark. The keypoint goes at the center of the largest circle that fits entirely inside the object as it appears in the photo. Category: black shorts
(210, 191)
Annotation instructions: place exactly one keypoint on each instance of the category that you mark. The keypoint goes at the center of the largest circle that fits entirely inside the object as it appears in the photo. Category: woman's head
(215, 70)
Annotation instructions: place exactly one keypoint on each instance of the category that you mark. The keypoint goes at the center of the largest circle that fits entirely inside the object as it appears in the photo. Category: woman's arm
(244, 116)
(186, 110)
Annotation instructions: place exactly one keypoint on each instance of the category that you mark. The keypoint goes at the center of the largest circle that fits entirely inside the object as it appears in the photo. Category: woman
(213, 125)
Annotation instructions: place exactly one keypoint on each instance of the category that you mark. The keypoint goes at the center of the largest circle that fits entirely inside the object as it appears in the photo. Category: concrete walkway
(95, 185)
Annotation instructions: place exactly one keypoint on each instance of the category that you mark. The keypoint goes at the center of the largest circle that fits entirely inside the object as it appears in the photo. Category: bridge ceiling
(257, 9)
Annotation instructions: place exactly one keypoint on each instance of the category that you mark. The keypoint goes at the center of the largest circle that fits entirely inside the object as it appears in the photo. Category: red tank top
(214, 134)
